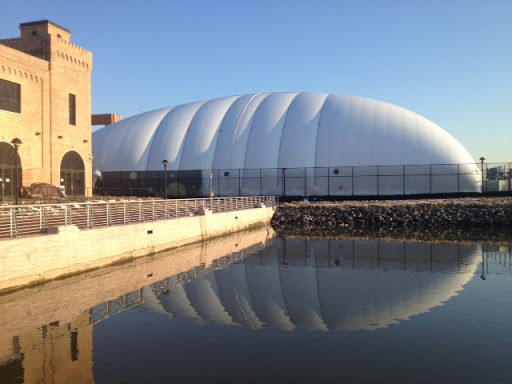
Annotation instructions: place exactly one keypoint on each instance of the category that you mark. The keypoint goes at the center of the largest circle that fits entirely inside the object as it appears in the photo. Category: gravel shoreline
(480, 218)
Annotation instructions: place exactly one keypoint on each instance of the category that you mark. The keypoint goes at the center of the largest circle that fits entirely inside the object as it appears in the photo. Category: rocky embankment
(486, 219)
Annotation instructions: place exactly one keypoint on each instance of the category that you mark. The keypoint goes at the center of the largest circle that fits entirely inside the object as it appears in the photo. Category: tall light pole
(482, 159)
(210, 171)
(165, 162)
(16, 143)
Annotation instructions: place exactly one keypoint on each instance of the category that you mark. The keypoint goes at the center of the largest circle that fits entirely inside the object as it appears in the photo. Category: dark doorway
(72, 174)
(8, 175)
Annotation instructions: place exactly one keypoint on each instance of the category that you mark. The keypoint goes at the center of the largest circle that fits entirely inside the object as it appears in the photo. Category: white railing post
(90, 221)
(67, 219)
(109, 214)
(14, 222)
(42, 219)
(126, 213)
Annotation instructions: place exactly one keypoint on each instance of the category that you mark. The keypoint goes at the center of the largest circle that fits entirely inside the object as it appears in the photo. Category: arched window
(72, 174)
(8, 175)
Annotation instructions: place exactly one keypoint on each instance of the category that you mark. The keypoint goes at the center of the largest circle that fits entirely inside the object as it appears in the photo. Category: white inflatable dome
(296, 143)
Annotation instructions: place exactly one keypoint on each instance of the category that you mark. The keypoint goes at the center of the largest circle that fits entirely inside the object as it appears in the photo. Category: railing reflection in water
(441, 269)
(307, 262)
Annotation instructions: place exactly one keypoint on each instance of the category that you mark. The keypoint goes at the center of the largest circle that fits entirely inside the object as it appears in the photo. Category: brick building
(45, 102)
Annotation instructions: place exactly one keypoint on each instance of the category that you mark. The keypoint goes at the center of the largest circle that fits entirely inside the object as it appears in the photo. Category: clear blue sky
(447, 60)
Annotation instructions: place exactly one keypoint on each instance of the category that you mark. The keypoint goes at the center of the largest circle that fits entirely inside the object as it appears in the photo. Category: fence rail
(17, 220)
(340, 180)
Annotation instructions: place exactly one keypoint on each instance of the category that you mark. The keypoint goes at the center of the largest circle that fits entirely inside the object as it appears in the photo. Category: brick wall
(48, 68)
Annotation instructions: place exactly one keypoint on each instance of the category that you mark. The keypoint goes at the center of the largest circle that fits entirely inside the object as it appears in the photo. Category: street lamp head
(16, 142)
(482, 158)
(165, 162)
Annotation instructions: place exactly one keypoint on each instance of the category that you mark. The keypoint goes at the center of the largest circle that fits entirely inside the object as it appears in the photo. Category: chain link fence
(319, 181)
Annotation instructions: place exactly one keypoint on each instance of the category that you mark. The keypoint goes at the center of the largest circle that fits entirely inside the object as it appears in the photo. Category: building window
(10, 96)
(72, 109)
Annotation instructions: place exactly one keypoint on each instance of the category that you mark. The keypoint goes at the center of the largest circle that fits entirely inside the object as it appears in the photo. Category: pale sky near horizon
(447, 60)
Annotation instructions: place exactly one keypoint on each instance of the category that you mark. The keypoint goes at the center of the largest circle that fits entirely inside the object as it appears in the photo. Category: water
(252, 308)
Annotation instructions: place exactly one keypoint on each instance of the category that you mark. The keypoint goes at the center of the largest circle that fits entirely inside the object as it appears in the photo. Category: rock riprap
(390, 216)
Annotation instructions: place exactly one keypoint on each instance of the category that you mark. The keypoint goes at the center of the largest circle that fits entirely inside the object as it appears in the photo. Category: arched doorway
(9, 178)
(72, 174)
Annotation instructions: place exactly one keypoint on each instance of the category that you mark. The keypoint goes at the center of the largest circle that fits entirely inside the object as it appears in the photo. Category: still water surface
(290, 311)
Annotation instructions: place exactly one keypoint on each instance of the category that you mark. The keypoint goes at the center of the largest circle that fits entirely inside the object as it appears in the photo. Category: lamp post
(16, 143)
(7, 180)
(210, 171)
(482, 159)
(165, 162)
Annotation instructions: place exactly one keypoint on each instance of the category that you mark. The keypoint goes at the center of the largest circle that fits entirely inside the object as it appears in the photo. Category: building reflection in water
(286, 284)
(51, 353)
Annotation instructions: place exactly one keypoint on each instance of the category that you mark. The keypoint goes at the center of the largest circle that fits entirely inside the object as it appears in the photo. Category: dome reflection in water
(324, 285)
(253, 308)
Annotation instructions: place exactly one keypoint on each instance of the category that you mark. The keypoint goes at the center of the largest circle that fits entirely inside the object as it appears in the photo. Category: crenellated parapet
(50, 47)
(72, 46)
(21, 66)
(19, 73)
(34, 46)
(72, 59)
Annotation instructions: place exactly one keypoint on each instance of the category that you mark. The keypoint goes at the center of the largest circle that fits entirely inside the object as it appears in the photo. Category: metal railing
(17, 220)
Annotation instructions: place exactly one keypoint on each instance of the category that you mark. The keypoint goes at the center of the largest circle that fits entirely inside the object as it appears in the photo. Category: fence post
(109, 214)
(42, 218)
(67, 219)
(458, 178)
(14, 222)
(305, 182)
(261, 185)
(126, 213)
(89, 216)
(328, 182)
(403, 180)
(352, 180)
(378, 181)
(509, 179)
(430, 171)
